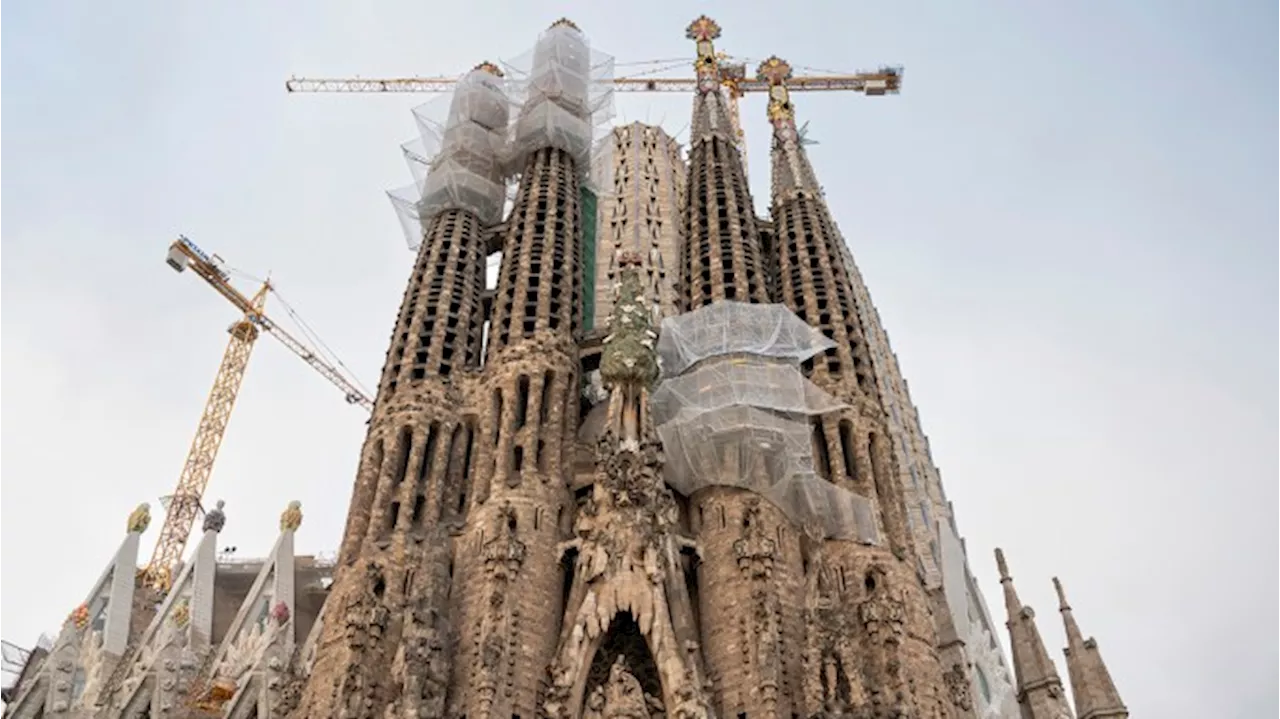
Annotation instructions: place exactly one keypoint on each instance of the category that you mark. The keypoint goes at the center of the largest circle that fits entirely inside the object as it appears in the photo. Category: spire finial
(291, 518)
(775, 71)
(140, 519)
(565, 22)
(702, 31)
(1002, 566)
(215, 519)
(1062, 596)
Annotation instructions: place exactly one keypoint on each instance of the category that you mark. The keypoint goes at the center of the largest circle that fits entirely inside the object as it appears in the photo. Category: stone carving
(883, 613)
(291, 518)
(504, 552)
(957, 683)
(215, 519)
(626, 534)
(622, 697)
(755, 550)
(140, 519)
(628, 363)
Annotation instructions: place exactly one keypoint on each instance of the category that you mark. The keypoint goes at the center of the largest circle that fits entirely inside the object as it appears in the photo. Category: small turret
(1091, 686)
(1040, 692)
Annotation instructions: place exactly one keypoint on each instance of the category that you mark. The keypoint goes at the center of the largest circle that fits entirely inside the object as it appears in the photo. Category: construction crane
(183, 505)
(733, 78)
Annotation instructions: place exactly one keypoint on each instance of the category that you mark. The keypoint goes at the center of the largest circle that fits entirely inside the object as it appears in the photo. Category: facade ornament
(280, 613)
(504, 552)
(957, 682)
(215, 519)
(628, 362)
(140, 519)
(755, 550)
(181, 614)
(291, 518)
(79, 617)
(703, 31)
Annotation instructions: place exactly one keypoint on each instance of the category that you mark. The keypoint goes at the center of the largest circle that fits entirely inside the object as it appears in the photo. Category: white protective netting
(457, 161)
(742, 416)
(564, 90)
(726, 327)
(739, 380)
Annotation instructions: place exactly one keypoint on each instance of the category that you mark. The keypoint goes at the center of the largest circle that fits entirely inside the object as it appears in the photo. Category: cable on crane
(315, 338)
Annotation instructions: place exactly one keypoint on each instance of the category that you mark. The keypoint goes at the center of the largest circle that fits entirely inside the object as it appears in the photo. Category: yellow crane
(733, 78)
(184, 504)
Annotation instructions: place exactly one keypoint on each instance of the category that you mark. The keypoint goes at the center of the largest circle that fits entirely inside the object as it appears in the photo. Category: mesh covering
(726, 327)
(740, 380)
(741, 417)
(565, 93)
(457, 160)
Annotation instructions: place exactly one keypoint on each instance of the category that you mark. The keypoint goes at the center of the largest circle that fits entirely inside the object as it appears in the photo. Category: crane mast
(184, 504)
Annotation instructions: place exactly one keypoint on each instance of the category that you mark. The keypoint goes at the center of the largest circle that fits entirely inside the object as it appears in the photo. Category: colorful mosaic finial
(565, 22)
(490, 68)
(774, 71)
(140, 519)
(704, 28)
(280, 613)
(703, 31)
(291, 518)
(79, 616)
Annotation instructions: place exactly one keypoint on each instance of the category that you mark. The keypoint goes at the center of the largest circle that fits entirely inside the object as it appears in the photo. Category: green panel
(589, 220)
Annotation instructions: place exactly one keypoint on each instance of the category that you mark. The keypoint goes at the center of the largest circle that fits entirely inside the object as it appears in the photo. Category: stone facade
(229, 638)
(641, 173)
(516, 545)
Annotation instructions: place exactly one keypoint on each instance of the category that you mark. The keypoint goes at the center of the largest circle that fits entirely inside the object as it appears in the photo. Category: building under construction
(665, 465)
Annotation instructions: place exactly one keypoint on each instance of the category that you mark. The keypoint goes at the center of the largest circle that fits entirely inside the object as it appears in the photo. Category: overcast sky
(1068, 221)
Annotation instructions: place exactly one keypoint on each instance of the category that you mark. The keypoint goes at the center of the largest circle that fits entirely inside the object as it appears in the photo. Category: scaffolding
(564, 93)
(458, 162)
(733, 410)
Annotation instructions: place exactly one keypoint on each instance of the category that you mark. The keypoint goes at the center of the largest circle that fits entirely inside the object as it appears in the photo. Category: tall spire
(791, 174)
(710, 112)
(1091, 685)
(721, 256)
(1040, 692)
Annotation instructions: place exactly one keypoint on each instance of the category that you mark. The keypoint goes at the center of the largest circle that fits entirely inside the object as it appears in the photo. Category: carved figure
(624, 698)
(291, 518)
(215, 519)
(628, 363)
(140, 519)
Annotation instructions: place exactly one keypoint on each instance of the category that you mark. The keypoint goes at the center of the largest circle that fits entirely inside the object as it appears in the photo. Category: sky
(1068, 222)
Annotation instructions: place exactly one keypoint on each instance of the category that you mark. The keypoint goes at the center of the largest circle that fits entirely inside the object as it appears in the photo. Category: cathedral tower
(721, 258)
(896, 664)
(643, 188)
(527, 397)
(394, 565)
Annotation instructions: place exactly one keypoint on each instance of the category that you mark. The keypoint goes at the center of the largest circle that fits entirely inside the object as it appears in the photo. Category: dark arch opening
(624, 639)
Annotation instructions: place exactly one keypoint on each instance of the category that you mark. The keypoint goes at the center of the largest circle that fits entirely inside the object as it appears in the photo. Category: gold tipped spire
(775, 71)
(702, 31)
